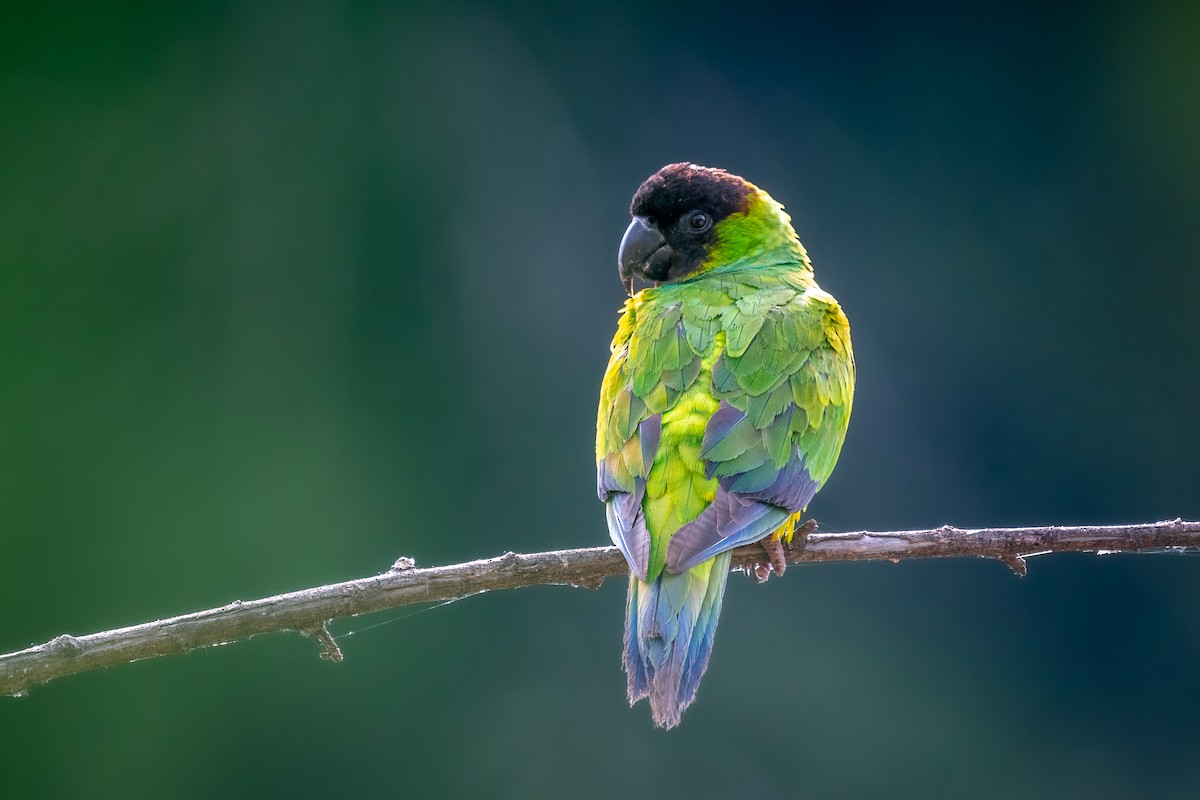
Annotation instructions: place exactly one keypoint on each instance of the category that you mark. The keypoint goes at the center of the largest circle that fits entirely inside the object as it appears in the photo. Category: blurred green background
(288, 290)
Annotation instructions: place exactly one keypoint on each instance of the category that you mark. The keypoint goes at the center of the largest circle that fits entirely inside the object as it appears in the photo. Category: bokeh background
(288, 290)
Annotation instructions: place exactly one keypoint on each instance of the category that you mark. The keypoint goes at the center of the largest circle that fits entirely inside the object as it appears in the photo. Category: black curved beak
(642, 252)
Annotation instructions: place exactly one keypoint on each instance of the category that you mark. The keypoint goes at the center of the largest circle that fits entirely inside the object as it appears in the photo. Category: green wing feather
(794, 381)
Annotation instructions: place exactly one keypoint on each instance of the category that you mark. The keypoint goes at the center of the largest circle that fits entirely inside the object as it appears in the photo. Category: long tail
(669, 629)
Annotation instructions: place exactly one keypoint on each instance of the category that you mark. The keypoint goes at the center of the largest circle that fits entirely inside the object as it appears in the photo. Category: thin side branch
(309, 610)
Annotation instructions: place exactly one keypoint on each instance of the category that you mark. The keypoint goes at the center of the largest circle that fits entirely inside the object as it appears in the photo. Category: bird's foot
(777, 554)
(776, 560)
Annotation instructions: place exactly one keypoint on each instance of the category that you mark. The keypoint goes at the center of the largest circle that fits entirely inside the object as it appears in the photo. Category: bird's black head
(675, 214)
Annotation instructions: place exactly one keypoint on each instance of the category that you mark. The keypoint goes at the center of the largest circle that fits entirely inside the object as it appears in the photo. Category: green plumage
(747, 333)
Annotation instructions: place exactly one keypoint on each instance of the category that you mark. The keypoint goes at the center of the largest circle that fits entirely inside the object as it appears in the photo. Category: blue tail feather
(669, 628)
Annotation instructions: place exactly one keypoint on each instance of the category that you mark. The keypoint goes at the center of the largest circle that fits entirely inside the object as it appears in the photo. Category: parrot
(722, 411)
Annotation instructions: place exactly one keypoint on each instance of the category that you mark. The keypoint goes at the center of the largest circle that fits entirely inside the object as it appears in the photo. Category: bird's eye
(698, 222)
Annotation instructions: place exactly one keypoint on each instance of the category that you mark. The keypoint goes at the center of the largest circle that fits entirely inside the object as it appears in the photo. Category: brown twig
(309, 610)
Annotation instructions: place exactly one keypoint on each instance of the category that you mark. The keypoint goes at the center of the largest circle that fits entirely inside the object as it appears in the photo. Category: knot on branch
(66, 645)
